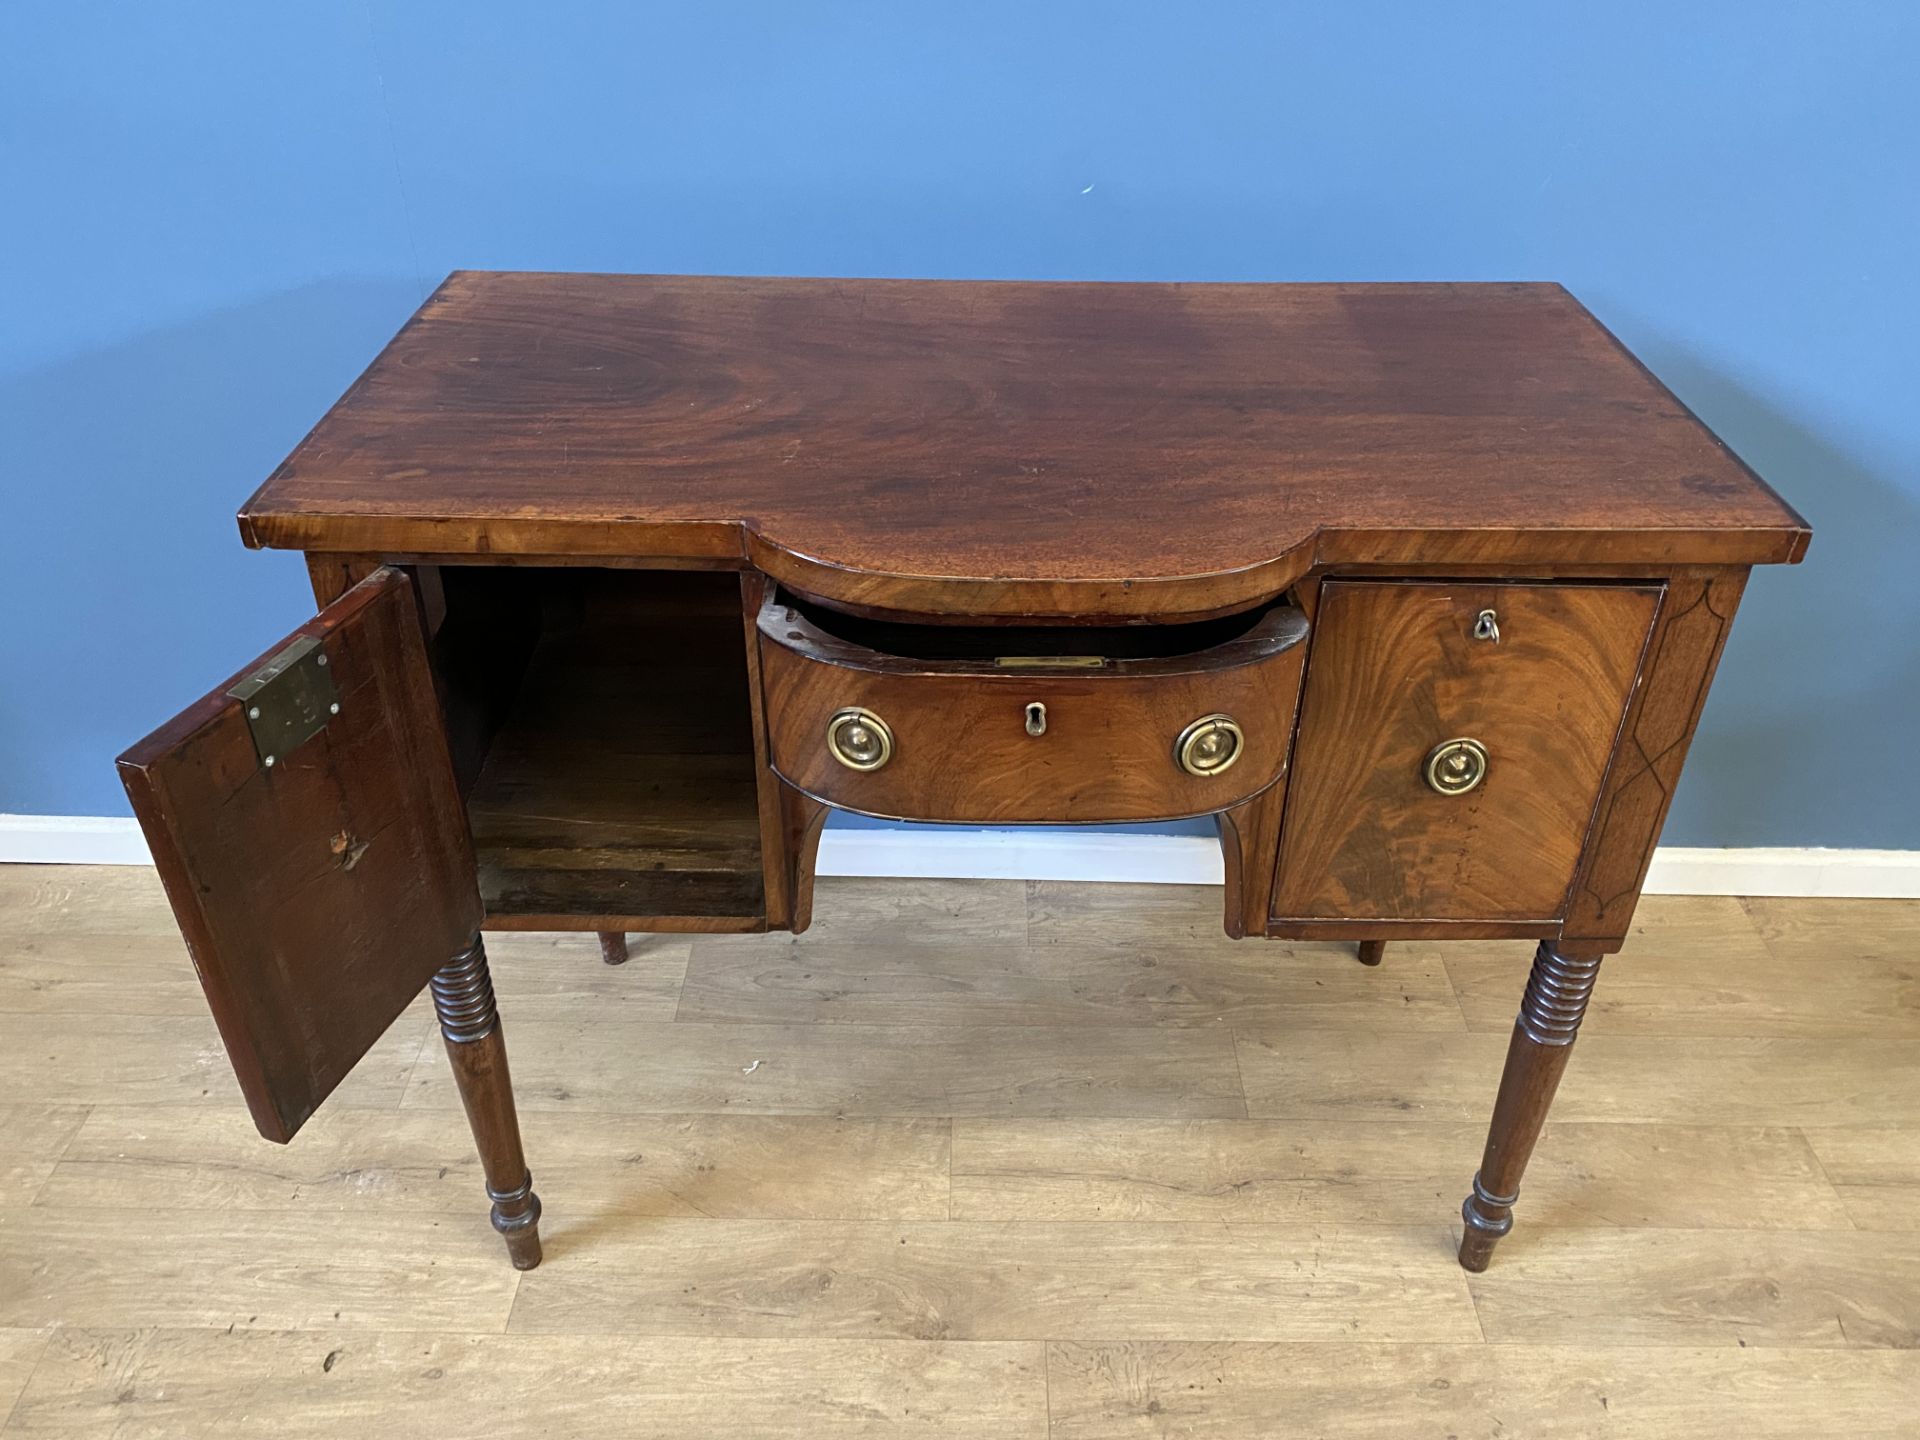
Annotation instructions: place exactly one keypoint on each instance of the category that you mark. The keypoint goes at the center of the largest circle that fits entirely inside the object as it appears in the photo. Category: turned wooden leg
(1371, 951)
(1543, 1035)
(470, 1024)
(613, 947)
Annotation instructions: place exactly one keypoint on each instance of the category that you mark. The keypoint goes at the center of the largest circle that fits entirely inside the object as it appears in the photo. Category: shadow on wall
(1816, 692)
(126, 591)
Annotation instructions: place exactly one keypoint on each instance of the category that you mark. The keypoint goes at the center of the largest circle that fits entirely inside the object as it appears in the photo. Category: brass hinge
(288, 700)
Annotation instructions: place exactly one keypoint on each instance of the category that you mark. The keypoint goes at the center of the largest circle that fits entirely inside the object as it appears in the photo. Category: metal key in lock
(1036, 718)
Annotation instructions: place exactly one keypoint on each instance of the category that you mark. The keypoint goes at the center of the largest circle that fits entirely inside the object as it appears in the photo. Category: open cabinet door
(306, 824)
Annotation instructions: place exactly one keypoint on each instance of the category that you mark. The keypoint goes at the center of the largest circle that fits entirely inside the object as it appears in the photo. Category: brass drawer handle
(859, 739)
(1486, 626)
(1456, 766)
(1209, 746)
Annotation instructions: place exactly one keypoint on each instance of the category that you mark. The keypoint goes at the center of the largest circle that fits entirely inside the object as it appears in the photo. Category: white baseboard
(1014, 854)
(1770, 870)
(941, 853)
(71, 840)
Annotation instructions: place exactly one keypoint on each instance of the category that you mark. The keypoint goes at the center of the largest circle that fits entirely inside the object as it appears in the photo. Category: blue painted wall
(215, 213)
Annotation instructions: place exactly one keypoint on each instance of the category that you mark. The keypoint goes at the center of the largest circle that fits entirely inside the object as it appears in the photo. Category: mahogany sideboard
(626, 580)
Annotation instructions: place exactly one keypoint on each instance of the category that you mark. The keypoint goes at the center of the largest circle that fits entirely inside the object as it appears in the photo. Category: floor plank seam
(1240, 1076)
(419, 1055)
(98, 1012)
(33, 1370)
(950, 1150)
(1289, 1226)
(60, 1159)
(1453, 990)
(1473, 1300)
(513, 1302)
(1746, 910)
(680, 986)
(1813, 1153)
(1046, 1383)
(451, 1107)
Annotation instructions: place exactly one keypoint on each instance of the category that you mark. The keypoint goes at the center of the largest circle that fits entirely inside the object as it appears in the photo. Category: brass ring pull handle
(1456, 766)
(1209, 746)
(859, 739)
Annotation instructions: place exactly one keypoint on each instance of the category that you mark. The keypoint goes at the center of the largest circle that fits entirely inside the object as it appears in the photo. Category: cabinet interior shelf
(602, 726)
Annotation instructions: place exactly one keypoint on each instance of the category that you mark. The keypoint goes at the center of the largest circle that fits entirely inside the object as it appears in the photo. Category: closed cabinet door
(1452, 742)
(305, 822)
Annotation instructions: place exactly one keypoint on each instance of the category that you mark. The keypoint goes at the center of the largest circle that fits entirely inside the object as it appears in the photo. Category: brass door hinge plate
(288, 700)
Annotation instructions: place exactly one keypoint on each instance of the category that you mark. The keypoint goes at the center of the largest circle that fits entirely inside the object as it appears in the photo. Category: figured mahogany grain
(1016, 448)
(1395, 671)
(962, 749)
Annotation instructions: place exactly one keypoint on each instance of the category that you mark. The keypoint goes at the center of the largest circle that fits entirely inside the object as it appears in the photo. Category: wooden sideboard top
(1017, 447)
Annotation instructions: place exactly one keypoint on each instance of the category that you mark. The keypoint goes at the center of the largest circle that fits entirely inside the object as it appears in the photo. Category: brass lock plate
(288, 700)
(1456, 766)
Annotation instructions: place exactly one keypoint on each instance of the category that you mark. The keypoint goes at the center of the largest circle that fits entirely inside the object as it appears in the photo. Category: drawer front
(960, 734)
(1398, 670)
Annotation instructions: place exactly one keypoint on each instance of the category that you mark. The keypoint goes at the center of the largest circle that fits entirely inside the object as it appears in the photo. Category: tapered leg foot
(1488, 1217)
(1543, 1036)
(470, 1025)
(1371, 951)
(613, 947)
(802, 818)
(516, 1215)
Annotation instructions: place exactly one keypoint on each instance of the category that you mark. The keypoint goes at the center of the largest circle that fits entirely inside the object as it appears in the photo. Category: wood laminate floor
(980, 1159)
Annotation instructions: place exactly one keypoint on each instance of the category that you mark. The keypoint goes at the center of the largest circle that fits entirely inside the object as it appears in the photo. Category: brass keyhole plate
(1456, 766)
